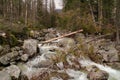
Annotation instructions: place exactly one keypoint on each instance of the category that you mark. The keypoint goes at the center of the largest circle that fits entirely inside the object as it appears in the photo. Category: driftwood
(65, 35)
(96, 38)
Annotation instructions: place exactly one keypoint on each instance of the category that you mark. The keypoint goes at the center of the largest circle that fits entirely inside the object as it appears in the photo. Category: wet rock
(9, 57)
(50, 36)
(49, 56)
(109, 54)
(60, 65)
(115, 65)
(30, 47)
(1, 48)
(24, 57)
(43, 64)
(96, 74)
(47, 49)
(13, 71)
(4, 76)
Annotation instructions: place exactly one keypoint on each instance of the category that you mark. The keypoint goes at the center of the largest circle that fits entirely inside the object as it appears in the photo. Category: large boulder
(4, 76)
(50, 36)
(43, 64)
(30, 47)
(13, 71)
(48, 49)
(9, 57)
(96, 74)
(109, 53)
(66, 43)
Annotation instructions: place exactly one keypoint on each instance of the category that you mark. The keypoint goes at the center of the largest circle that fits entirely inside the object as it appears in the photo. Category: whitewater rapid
(113, 74)
(76, 75)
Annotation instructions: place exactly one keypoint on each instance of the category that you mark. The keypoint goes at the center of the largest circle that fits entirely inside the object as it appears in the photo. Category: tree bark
(118, 22)
(26, 12)
(91, 10)
(100, 13)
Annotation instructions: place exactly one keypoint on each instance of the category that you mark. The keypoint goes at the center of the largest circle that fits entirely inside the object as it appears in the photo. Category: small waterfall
(113, 74)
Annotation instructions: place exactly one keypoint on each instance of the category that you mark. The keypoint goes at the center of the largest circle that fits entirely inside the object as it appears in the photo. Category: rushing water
(113, 74)
(76, 75)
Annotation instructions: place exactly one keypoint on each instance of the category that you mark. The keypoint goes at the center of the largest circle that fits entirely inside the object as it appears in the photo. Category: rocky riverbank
(62, 59)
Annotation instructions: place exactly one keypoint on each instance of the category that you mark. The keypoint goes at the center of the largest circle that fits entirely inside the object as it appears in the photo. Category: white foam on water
(76, 75)
(113, 74)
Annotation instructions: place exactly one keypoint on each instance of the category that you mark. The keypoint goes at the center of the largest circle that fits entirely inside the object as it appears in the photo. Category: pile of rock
(20, 65)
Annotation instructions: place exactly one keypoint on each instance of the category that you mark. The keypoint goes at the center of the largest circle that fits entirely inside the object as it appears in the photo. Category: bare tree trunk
(34, 10)
(91, 10)
(26, 12)
(114, 12)
(11, 12)
(118, 22)
(100, 13)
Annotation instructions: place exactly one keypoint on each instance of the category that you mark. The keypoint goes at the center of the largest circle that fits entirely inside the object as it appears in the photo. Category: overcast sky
(58, 4)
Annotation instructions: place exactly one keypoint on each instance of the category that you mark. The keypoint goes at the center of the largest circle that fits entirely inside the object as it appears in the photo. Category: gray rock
(4, 76)
(49, 56)
(47, 49)
(13, 71)
(110, 54)
(24, 57)
(1, 48)
(96, 74)
(50, 36)
(24, 71)
(9, 57)
(43, 64)
(60, 65)
(115, 65)
(30, 47)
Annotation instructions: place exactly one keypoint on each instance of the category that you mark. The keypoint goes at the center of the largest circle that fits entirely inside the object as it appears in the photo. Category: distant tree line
(27, 11)
(91, 15)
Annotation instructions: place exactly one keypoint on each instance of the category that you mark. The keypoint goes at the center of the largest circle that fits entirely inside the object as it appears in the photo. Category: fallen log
(65, 35)
(96, 38)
